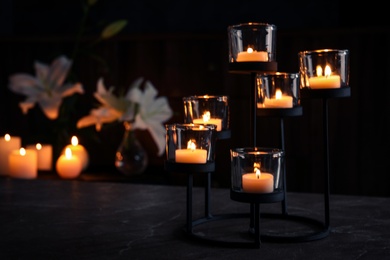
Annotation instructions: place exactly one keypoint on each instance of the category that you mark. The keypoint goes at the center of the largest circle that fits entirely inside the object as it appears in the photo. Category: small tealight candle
(69, 166)
(23, 164)
(326, 81)
(79, 151)
(7, 144)
(45, 156)
(280, 101)
(191, 154)
(257, 182)
(251, 55)
(206, 119)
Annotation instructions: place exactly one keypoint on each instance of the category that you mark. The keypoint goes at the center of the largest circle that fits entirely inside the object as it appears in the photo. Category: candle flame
(191, 145)
(22, 151)
(75, 141)
(319, 70)
(249, 50)
(256, 167)
(278, 94)
(7, 137)
(328, 71)
(68, 153)
(206, 116)
(38, 146)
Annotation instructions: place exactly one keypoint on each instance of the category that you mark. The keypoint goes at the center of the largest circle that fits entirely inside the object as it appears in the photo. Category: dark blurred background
(182, 48)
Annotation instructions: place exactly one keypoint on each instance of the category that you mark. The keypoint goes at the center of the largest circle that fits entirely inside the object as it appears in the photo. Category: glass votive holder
(256, 169)
(277, 90)
(190, 143)
(207, 110)
(252, 42)
(324, 69)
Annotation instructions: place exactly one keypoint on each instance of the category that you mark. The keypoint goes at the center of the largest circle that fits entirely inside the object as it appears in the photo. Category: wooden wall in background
(183, 65)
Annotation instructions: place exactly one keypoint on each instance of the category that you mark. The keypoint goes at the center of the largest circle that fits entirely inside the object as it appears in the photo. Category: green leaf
(113, 28)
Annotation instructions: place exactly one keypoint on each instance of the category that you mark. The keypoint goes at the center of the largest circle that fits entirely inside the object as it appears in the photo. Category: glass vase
(130, 158)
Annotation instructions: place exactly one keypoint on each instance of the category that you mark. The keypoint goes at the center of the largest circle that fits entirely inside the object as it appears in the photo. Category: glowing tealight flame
(7, 137)
(75, 141)
(38, 146)
(278, 94)
(68, 153)
(191, 145)
(249, 50)
(22, 151)
(206, 116)
(319, 71)
(328, 71)
(256, 167)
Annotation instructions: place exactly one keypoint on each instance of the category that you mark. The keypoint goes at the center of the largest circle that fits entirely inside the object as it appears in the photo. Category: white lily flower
(47, 88)
(143, 108)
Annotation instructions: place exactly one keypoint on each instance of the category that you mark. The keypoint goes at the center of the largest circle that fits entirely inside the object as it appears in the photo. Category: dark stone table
(58, 219)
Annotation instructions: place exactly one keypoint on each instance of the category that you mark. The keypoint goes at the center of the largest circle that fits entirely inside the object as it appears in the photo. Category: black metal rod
(284, 201)
(207, 196)
(253, 109)
(326, 161)
(189, 202)
(253, 117)
(257, 224)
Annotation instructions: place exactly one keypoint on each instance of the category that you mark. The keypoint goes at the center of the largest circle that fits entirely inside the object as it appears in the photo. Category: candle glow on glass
(79, 151)
(206, 119)
(69, 166)
(257, 182)
(324, 81)
(191, 154)
(23, 164)
(252, 55)
(280, 101)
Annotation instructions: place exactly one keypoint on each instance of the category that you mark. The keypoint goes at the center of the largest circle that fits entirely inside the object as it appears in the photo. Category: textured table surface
(56, 219)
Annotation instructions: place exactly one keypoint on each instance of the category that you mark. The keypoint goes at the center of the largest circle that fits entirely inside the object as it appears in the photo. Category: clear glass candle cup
(190, 143)
(256, 169)
(207, 109)
(252, 42)
(277, 90)
(324, 69)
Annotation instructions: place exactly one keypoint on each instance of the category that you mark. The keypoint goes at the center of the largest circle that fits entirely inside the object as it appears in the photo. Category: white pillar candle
(258, 182)
(23, 164)
(45, 156)
(251, 55)
(68, 166)
(79, 151)
(7, 144)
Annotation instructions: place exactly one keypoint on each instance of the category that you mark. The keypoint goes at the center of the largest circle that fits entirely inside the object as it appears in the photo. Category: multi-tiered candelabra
(258, 174)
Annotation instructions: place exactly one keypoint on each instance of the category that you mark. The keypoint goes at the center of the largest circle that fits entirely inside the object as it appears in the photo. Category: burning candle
(251, 55)
(69, 166)
(191, 154)
(45, 156)
(326, 81)
(23, 164)
(280, 101)
(257, 182)
(79, 151)
(206, 119)
(7, 144)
